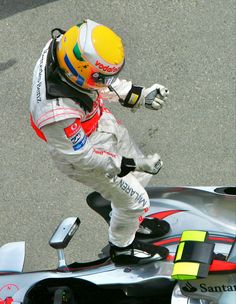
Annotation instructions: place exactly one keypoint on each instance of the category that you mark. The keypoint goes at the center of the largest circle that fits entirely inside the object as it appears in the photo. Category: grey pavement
(189, 46)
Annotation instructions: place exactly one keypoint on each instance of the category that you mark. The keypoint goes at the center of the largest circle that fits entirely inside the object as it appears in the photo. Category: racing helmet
(90, 55)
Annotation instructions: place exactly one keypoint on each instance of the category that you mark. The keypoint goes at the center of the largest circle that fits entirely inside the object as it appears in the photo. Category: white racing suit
(88, 147)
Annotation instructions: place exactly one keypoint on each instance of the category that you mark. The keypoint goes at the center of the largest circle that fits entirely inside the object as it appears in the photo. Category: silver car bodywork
(211, 209)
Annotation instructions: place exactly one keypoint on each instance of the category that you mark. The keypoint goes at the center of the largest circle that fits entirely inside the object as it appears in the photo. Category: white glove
(151, 164)
(155, 96)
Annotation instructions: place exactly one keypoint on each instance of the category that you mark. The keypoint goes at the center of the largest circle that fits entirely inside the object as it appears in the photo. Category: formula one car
(200, 267)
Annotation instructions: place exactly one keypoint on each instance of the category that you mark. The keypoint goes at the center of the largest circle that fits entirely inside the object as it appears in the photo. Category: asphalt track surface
(189, 46)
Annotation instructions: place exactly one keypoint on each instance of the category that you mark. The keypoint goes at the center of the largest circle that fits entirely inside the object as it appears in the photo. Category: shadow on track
(11, 7)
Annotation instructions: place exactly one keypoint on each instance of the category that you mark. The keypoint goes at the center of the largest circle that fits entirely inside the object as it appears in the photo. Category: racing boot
(137, 253)
(152, 227)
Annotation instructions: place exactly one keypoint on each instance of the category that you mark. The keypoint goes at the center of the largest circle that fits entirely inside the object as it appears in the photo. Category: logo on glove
(158, 166)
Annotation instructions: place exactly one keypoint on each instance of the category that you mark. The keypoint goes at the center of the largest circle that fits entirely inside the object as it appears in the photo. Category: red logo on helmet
(106, 68)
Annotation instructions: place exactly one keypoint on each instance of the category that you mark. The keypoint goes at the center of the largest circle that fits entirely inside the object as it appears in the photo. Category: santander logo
(106, 68)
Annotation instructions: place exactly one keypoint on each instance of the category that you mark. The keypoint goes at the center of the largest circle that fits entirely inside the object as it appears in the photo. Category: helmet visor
(102, 79)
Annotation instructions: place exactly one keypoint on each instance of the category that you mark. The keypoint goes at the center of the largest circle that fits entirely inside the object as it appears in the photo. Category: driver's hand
(155, 96)
(151, 164)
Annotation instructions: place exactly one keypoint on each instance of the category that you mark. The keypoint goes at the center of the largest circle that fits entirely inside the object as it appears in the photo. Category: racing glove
(151, 164)
(154, 97)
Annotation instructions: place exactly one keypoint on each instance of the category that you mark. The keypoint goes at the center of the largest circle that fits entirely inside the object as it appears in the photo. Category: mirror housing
(64, 233)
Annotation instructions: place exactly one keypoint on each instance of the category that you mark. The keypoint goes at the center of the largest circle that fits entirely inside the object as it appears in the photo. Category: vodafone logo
(74, 126)
(106, 68)
(72, 129)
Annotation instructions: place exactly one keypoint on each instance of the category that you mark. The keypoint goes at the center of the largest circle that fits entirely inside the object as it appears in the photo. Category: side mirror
(64, 233)
(61, 238)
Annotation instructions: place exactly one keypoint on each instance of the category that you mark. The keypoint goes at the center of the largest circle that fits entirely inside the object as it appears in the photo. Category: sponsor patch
(104, 153)
(76, 138)
(134, 194)
(70, 66)
(80, 80)
(73, 128)
(208, 288)
(7, 292)
(80, 144)
(76, 135)
(106, 68)
(217, 288)
(189, 288)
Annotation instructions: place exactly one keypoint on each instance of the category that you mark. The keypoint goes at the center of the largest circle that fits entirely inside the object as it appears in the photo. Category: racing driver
(76, 72)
